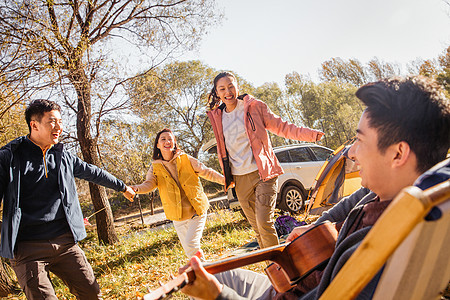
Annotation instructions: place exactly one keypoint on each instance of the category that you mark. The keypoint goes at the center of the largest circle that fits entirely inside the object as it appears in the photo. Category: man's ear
(33, 125)
(402, 154)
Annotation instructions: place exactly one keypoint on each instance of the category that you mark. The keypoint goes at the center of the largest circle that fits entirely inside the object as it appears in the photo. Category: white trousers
(248, 284)
(190, 232)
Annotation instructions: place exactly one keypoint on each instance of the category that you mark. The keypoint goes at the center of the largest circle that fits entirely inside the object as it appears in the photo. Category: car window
(321, 153)
(283, 156)
(300, 155)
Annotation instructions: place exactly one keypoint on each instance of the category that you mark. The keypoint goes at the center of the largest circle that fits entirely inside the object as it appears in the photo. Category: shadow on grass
(137, 255)
(171, 242)
(226, 227)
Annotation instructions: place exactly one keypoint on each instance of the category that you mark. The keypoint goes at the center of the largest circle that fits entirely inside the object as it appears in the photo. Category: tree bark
(105, 224)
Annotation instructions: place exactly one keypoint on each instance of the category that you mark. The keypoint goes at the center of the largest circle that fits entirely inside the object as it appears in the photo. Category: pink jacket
(258, 119)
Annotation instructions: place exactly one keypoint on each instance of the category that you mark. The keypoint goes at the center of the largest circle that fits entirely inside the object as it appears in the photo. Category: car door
(304, 166)
(284, 159)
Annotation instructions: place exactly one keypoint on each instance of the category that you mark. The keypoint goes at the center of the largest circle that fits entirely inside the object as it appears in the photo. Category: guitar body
(303, 255)
(278, 278)
(293, 261)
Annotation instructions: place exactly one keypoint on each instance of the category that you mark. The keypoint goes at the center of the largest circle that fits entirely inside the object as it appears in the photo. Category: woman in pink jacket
(240, 125)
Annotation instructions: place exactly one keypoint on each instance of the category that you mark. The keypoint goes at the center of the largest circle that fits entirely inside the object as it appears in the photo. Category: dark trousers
(34, 259)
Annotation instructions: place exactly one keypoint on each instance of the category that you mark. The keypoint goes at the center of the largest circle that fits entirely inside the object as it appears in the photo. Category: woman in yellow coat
(176, 175)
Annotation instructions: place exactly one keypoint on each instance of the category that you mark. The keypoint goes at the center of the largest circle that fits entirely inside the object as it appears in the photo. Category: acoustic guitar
(297, 259)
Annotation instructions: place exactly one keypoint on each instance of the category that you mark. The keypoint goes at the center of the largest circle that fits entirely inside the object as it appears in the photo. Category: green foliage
(330, 106)
(273, 96)
(245, 87)
(443, 77)
(127, 149)
(354, 72)
(175, 96)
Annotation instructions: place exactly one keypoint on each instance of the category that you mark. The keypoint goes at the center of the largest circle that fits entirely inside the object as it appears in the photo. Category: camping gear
(284, 224)
(337, 178)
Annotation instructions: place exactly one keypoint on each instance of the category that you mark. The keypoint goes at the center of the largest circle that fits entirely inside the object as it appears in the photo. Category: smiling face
(46, 132)
(166, 144)
(227, 90)
(372, 164)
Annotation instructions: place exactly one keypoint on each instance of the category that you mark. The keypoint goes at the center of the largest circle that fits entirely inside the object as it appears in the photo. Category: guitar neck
(270, 253)
(296, 260)
(216, 267)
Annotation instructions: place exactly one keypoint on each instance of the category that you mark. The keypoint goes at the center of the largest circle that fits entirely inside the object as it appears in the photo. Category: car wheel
(292, 199)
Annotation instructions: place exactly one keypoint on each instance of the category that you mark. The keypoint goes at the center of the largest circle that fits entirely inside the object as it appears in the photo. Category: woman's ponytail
(213, 99)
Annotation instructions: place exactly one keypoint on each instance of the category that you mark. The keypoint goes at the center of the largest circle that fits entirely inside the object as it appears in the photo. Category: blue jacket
(70, 166)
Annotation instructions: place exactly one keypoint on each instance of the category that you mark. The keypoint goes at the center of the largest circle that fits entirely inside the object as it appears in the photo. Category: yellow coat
(170, 192)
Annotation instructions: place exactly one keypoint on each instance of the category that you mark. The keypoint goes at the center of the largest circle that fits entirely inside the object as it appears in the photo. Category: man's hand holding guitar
(205, 286)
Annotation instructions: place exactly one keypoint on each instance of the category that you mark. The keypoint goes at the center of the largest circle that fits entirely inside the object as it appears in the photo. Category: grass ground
(142, 258)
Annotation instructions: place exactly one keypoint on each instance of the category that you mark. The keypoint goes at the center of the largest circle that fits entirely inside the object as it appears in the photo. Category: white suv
(301, 163)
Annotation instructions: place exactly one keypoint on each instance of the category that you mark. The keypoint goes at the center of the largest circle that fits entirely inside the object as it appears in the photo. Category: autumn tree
(354, 72)
(273, 96)
(12, 121)
(437, 68)
(14, 90)
(330, 106)
(443, 76)
(175, 96)
(73, 45)
(301, 95)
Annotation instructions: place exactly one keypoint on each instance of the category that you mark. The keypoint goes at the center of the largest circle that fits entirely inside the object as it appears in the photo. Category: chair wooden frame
(397, 225)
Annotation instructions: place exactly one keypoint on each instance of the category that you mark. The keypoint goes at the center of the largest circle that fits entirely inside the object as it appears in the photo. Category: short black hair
(411, 109)
(37, 108)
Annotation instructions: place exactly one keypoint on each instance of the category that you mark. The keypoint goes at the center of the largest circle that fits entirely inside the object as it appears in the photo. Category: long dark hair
(156, 152)
(213, 99)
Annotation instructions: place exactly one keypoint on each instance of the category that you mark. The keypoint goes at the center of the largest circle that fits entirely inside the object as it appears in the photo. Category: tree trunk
(105, 225)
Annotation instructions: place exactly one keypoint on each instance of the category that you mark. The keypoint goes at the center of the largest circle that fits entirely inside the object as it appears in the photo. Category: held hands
(320, 134)
(205, 285)
(135, 189)
(129, 193)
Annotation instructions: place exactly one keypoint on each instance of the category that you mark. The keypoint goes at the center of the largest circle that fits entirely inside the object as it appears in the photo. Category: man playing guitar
(403, 132)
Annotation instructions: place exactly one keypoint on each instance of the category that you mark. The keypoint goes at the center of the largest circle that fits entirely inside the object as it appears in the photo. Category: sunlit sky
(264, 40)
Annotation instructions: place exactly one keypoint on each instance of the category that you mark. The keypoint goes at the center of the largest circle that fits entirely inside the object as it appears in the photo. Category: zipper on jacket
(45, 163)
(250, 119)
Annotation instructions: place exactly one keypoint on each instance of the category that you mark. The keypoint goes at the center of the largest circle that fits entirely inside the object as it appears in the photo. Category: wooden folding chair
(420, 267)
(415, 251)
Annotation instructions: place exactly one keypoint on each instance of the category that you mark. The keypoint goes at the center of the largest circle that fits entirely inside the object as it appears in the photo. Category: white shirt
(236, 141)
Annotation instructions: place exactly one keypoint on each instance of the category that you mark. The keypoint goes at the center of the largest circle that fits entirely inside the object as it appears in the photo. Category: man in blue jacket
(42, 218)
